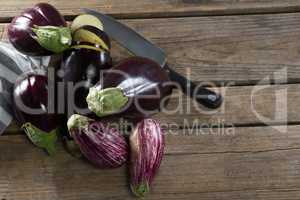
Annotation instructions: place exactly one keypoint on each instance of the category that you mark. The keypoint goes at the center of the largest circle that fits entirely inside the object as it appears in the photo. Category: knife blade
(133, 42)
(140, 46)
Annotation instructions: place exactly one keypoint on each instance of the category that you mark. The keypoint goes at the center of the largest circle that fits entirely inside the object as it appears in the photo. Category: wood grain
(254, 162)
(158, 8)
(242, 106)
(239, 50)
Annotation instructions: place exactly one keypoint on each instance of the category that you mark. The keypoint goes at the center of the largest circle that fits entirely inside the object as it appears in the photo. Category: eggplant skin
(99, 33)
(146, 151)
(103, 146)
(20, 33)
(31, 90)
(83, 65)
(143, 81)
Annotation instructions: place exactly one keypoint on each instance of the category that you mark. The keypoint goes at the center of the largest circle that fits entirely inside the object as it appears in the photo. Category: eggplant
(30, 99)
(103, 146)
(146, 151)
(40, 30)
(92, 35)
(82, 66)
(86, 19)
(136, 88)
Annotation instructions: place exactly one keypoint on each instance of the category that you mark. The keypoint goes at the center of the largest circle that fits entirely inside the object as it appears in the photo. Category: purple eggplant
(40, 30)
(147, 149)
(82, 66)
(31, 108)
(93, 36)
(103, 146)
(136, 88)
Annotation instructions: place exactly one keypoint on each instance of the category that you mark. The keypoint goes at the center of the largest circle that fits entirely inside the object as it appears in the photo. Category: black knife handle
(204, 96)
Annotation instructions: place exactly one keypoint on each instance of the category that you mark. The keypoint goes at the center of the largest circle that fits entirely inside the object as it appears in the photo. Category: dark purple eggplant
(92, 35)
(31, 108)
(147, 149)
(103, 146)
(40, 30)
(82, 66)
(136, 88)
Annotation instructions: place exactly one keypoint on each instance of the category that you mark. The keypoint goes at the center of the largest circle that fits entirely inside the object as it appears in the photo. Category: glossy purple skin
(32, 91)
(83, 65)
(103, 146)
(143, 78)
(147, 149)
(20, 33)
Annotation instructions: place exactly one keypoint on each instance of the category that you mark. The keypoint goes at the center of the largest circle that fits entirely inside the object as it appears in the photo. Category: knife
(140, 46)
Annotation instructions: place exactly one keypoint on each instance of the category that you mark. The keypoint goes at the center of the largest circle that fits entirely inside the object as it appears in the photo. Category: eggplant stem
(77, 121)
(40, 138)
(107, 101)
(53, 38)
(140, 190)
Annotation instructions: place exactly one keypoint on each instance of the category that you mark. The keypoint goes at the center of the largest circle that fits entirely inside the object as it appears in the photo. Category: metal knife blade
(129, 38)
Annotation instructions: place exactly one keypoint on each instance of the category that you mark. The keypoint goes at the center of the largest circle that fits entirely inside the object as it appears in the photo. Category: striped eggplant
(147, 149)
(103, 146)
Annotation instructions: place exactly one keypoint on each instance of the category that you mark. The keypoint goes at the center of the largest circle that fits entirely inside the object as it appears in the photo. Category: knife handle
(204, 96)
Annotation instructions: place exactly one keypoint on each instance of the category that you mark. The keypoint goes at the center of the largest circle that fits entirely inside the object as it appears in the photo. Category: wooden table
(250, 49)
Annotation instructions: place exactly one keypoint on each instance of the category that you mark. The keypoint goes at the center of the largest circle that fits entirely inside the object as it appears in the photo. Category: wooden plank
(271, 171)
(232, 140)
(239, 50)
(158, 8)
(292, 194)
(245, 105)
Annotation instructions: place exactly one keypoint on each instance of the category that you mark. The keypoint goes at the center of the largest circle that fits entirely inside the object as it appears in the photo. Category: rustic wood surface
(248, 149)
(156, 8)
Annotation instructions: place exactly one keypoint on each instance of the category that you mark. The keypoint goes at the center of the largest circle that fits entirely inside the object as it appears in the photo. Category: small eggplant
(103, 146)
(82, 66)
(147, 149)
(40, 30)
(86, 19)
(31, 108)
(136, 88)
(92, 35)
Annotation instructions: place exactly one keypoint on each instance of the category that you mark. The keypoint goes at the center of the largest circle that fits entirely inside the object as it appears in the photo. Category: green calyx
(140, 190)
(53, 38)
(107, 101)
(41, 139)
(77, 121)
